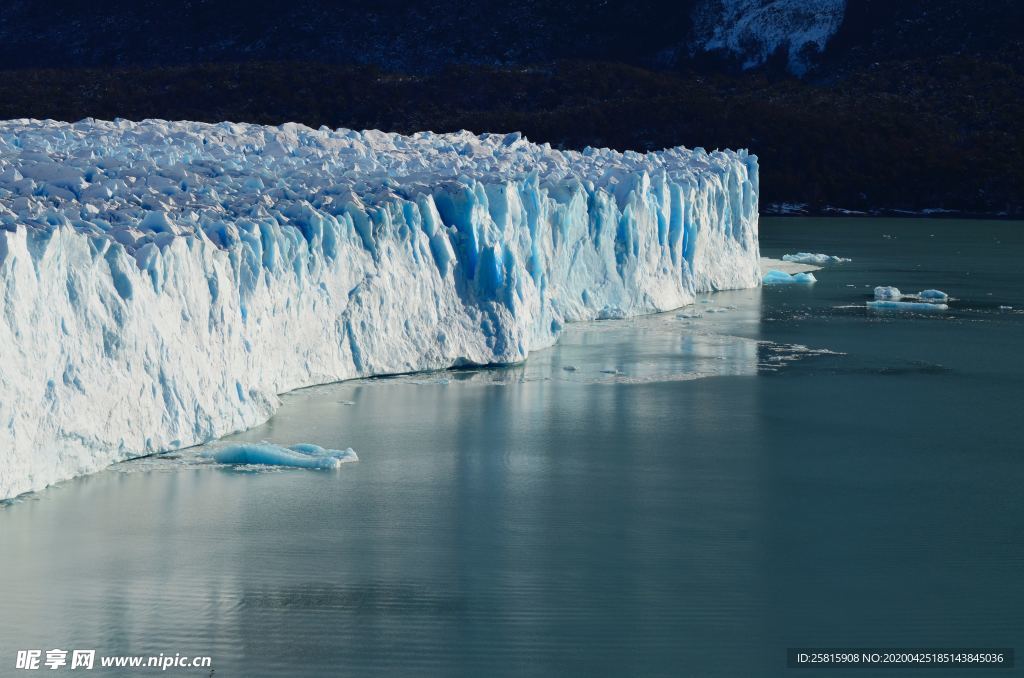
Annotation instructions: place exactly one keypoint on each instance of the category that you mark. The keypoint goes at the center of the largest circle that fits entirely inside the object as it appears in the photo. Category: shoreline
(779, 210)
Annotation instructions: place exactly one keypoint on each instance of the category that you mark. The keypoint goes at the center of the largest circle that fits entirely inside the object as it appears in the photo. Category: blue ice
(302, 455)
(887, 305)
(774, 277)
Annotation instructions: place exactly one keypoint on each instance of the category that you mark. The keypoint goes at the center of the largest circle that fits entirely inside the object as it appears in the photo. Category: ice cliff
(161, 282)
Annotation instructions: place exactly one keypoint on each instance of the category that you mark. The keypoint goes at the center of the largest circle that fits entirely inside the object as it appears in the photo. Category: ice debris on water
(812, 258)
(774, 277)
(889, 305)
(886, 293)
(302, 455)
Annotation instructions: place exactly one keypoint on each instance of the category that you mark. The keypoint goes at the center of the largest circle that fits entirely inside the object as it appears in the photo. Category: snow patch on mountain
(753, 30)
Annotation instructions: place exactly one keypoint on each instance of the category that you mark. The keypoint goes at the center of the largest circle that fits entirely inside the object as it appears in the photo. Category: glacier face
(161, 282)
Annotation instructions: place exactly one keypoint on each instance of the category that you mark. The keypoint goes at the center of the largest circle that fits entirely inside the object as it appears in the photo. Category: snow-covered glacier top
(162, 282)
(147, 181)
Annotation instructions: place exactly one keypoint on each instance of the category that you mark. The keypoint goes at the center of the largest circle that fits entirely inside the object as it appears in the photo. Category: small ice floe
(1006, 308)
(781, 278)
(933, 295)
(886, 292)
(812, 258)
(689, 313)
(917, 306)
(302, 455)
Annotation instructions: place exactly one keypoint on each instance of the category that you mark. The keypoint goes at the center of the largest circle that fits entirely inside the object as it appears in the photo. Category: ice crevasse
(162, 282)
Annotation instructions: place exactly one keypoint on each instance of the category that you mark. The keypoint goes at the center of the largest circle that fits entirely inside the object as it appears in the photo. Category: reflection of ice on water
(716, 336)
(719, 336)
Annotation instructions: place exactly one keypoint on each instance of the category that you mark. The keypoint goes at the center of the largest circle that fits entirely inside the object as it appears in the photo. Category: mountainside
(752, 31)
(899, 104)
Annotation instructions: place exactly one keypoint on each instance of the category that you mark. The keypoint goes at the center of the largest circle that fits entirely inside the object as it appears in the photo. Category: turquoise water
(660, 496)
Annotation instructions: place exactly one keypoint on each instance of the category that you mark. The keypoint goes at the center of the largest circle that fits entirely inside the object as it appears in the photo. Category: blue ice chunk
(774, 277)
(884, 292)
(933, 295)
(302, 455)
(888, 305)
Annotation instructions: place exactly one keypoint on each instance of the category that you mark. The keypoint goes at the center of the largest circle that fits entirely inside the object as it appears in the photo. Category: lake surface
(695, 496)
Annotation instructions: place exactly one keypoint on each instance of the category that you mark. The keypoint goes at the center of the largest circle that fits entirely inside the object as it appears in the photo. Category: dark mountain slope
(914, 103)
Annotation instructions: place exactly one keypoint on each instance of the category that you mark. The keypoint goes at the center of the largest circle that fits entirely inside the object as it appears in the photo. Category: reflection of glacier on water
(662, 347)
(717, 336)
(555, 526)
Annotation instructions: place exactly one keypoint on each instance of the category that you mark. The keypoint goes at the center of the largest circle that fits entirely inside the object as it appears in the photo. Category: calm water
(697, 495)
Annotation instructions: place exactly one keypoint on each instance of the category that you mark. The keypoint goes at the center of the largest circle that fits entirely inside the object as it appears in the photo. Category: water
(696, 496)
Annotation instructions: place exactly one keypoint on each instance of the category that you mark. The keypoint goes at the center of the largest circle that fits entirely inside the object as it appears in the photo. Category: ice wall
(161, 282)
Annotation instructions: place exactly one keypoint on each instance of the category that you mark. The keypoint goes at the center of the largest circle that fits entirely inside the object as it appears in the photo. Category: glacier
(161, 283)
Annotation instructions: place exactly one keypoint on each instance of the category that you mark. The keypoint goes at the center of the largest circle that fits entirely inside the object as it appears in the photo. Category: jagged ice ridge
(162, 282)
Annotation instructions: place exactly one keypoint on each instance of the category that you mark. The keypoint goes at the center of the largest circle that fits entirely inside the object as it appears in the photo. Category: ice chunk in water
(936, 295)
(888, 305)
(885, 292)
(774, 277)
(302, 455)
(812, 258)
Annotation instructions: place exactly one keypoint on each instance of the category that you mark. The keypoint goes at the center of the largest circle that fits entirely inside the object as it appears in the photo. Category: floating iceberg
(885, 292)
(303, 455)
(162, 282)
(815, 259)
(889, 305)
(774, 277)
(933, 295)
(893, 294)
